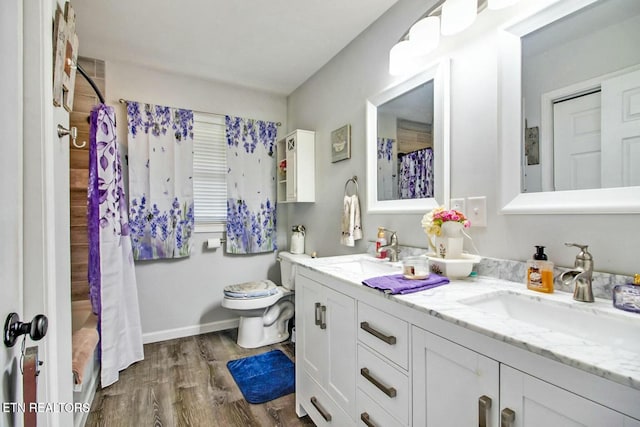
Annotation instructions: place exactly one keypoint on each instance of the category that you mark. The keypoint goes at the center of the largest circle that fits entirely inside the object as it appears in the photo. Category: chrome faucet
(391, 247)
(581, 274)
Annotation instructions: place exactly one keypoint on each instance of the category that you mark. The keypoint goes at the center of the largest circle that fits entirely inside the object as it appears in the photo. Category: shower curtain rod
(91, 82)
(124, 101)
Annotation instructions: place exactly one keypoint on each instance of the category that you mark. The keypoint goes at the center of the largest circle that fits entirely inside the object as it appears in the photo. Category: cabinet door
(312, 340)
(538, 403)
(452, 385)
(292, 168)
(341, 348)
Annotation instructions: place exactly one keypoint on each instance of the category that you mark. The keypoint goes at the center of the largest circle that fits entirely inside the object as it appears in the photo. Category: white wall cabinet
(297, 183)
(326, 353)
(364, 359)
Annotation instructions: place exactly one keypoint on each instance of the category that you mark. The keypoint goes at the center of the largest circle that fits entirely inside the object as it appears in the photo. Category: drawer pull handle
(389, 339)
(507, 417)
(317, 314)
(484, 404)
(366, 420)
(323, 317)
(389, 391)
(323, 412)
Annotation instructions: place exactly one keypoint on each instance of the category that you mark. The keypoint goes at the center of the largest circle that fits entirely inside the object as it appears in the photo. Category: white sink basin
(600, 325)
(368, 267)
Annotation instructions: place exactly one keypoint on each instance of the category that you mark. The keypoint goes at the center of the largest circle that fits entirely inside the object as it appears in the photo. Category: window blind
(209, 171)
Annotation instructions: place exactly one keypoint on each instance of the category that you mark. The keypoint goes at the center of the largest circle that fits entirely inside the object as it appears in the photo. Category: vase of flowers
(444, 229)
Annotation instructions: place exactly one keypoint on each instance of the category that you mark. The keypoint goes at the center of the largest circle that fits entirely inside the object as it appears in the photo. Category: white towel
(351, 226)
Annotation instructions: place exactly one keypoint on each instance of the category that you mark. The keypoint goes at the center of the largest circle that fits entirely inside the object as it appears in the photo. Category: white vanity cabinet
(452, 385)
(325, 353)
(298, 183)
(365, 358)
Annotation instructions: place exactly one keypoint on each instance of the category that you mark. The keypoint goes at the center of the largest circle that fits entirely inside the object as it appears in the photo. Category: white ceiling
(272, 45)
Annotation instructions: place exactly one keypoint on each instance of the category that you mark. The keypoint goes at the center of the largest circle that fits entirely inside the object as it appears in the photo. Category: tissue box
(453, 268)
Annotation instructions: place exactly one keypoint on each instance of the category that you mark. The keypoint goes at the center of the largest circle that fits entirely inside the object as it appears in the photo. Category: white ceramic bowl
(453, 268)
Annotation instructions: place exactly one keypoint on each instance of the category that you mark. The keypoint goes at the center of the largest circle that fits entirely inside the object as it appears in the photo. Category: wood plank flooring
(185, 382)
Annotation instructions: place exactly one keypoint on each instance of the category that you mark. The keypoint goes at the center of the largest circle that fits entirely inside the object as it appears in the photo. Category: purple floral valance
(251, 185)
(160, 180)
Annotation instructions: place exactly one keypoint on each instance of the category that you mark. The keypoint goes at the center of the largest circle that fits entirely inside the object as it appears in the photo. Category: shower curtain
(112, 280)
(416, 175)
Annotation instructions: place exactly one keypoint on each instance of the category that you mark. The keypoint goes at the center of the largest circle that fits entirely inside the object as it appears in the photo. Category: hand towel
(351, 225)
(83, 344)
(397, 284)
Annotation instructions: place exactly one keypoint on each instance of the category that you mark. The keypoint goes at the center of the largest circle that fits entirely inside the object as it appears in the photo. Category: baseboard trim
(189, 331)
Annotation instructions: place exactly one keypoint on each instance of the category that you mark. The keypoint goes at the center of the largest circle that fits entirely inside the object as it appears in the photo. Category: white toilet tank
(288, 268)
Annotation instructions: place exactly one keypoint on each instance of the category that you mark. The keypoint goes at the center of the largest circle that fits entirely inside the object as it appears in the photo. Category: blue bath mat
(264, 377)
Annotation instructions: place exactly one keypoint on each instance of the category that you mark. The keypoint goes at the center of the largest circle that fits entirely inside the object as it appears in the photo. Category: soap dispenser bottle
(381, 241)
(540, 272)
(627, 297)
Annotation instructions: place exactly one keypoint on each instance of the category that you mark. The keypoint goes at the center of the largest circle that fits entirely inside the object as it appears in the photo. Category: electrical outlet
(477, 211)
(457, 204)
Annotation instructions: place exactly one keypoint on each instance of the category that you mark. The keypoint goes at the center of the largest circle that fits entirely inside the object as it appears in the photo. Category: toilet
(264, 308)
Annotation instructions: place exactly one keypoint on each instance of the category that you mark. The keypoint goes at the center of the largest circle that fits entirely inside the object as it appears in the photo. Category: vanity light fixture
(457, 15)
(447, 17)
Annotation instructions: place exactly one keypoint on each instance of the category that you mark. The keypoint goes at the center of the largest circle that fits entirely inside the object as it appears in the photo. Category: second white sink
(598, 325)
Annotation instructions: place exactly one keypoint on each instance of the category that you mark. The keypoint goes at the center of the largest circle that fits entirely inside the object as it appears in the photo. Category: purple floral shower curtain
(160, 180)
(112, 281)
(416, 175)
(251, 186)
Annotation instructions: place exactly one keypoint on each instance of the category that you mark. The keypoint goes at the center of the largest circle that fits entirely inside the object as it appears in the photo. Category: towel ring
(353, 180)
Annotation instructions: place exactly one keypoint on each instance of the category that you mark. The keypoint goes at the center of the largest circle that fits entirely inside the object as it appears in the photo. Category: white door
(10, 194)
(621, 131)
(576, 143)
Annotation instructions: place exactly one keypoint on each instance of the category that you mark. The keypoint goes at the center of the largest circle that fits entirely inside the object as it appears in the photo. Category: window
(209, 172)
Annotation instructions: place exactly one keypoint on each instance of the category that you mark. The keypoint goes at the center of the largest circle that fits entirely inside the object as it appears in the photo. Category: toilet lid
(258, 289)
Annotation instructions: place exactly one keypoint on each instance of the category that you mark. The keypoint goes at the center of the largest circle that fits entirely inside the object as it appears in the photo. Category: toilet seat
(249, 290)
(254, 303)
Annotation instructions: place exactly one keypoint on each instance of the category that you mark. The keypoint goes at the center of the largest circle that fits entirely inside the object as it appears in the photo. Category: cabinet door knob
(389, 339)
(366, 420)
(318, 406)
(389, 391)
(484, 404)
(507, 417)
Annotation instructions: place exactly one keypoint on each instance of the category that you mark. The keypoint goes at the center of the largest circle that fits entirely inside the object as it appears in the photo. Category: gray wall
(336, 95)
(182, 297)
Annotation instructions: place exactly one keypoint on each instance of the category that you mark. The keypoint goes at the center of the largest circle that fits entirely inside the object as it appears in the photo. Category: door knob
(13, 328)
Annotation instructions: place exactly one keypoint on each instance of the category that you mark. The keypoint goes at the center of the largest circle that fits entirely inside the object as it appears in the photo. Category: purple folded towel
(397, 284)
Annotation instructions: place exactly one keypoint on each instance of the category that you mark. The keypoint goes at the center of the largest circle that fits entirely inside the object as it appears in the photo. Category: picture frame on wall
(341, 144)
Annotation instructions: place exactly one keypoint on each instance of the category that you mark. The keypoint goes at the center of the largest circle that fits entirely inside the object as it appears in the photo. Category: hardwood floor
(185, 382)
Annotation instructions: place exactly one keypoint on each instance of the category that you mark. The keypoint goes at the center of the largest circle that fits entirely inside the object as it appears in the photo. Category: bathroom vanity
(455, 356)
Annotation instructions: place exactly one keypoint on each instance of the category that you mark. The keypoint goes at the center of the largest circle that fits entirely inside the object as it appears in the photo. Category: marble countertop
(451, 302)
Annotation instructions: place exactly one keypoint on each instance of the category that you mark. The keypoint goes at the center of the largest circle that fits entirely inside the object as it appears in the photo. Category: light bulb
(458, 15)
(499, 4)
(425, 34)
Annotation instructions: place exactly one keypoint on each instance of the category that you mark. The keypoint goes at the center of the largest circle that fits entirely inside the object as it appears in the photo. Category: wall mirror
(408, 144)
(570, 109)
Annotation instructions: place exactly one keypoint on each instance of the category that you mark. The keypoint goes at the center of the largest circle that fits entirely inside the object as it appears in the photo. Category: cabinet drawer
(385, 384)
(319, 406)
(373, 413)
(384, 333)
